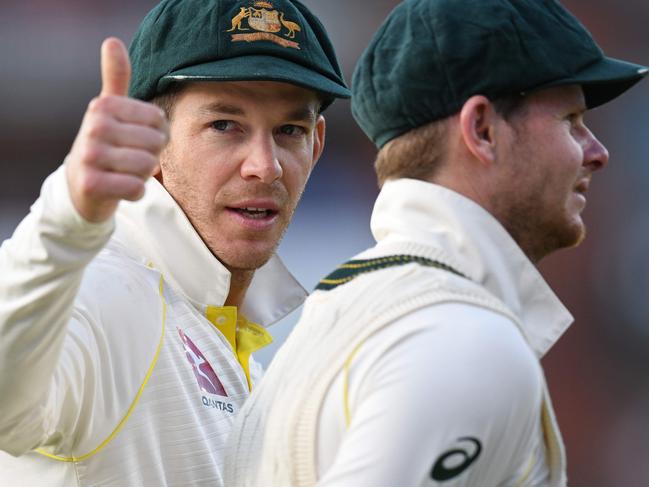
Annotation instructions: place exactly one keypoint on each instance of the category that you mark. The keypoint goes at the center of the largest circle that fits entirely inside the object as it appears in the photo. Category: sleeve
(41, 267)
(449, 396)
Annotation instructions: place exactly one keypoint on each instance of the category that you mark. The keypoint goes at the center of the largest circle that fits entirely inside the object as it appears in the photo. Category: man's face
(239, 157)
(547, 164)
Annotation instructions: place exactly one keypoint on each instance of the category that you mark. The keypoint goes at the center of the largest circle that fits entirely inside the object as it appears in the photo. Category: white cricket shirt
(411, 375)
(119, 365)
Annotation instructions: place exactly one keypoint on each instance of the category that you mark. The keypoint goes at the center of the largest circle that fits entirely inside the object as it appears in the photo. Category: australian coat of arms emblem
(267, 23)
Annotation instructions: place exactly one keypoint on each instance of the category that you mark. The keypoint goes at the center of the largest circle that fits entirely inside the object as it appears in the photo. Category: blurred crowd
(49, 70)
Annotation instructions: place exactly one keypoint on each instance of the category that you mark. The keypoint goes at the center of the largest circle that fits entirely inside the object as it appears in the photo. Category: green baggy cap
(232, 40)
(430, 56)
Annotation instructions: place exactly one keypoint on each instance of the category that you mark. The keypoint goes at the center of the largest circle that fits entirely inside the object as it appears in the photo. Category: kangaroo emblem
(291, 26)
(263, 23)
(236, 21)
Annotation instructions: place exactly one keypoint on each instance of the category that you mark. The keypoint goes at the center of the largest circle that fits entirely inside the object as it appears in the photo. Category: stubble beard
(539, 230)
(538, 226)
(198, 211)
(241, 261)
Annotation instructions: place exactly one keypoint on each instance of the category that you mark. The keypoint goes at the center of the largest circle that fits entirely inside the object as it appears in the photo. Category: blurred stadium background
(598, 373)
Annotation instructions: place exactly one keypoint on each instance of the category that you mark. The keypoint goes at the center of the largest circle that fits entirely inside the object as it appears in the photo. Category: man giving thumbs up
(130, 304)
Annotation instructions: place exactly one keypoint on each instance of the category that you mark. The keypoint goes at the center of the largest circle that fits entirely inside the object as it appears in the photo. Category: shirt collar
(156, 231)
(470, 239)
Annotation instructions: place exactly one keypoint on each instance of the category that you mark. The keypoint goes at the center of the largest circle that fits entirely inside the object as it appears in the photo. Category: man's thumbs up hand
(118, 144)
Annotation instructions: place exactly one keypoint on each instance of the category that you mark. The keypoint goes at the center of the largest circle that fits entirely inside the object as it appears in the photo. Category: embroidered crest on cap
(268, 22)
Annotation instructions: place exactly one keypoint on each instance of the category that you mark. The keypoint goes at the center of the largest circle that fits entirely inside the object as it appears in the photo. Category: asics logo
(456, 460)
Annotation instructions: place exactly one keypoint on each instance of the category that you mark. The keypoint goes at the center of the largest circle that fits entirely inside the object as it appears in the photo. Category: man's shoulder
(389, 281)
(478, 332)
(117, 286)
(120, 308)
(457, 349)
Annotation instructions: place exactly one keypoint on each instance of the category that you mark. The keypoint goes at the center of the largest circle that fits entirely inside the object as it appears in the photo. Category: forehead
(557, 99)
(249, 95)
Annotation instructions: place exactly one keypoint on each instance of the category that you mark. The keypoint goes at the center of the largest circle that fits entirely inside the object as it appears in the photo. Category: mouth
(254, 213)
(582, 186)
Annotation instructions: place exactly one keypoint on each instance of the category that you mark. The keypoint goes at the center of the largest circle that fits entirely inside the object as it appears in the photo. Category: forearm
(41, 269)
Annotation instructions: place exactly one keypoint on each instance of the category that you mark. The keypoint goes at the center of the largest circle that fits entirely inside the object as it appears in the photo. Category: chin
(581, 236)
(246, 262)
(567, 233)
(570, 234)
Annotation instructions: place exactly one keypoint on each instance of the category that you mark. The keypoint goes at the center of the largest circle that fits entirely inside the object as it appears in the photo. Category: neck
(239, 281)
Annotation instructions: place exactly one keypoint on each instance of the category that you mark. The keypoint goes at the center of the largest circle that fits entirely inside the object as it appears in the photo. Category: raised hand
(118, 144)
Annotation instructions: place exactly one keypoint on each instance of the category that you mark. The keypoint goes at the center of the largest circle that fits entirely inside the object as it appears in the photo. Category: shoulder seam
(135, 400)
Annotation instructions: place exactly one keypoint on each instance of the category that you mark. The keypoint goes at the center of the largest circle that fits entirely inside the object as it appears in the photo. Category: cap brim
(605, 80)
(257, 68)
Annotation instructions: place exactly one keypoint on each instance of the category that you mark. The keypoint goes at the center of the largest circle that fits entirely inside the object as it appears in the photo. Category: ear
(158, 170)
(163, 157)
(158, 173)
(478, 126)
(318, 139)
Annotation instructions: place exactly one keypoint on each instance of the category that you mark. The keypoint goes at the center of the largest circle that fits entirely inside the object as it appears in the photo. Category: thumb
(115, 68)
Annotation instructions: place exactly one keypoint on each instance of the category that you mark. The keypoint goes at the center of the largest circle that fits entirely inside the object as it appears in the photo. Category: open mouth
(255, 213)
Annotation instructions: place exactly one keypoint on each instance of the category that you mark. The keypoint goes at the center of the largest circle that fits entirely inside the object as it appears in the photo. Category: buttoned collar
(155, 230)
(465, 236)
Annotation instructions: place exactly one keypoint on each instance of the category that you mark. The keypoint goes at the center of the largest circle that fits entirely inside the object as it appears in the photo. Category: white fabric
(451, 366)
(476, 244)
(451, 373)
(93, 367)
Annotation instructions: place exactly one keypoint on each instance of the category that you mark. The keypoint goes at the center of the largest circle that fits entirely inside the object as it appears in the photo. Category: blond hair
(420, 152)
(417, 154)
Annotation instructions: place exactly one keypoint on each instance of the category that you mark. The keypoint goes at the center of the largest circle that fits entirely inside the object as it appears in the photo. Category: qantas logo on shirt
(205, 376)
(456, 460)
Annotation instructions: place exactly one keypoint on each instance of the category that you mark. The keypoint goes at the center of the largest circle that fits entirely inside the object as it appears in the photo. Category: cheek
(294, 183)
(571, 166)
(563, 156)
(575, 151)
(193, 176)
(296, 171)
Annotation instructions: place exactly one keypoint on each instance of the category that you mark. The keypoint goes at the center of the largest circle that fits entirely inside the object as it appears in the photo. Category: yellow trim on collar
(250, 338)
(245, 337)
(224, 318)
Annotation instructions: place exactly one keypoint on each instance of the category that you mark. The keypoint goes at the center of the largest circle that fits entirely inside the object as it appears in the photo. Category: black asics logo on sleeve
(453, 462)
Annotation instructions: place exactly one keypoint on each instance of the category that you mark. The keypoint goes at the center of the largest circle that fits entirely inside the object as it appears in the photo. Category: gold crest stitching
(267, 22)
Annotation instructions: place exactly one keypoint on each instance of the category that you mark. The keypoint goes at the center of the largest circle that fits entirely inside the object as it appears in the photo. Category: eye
(575, 118)
(292, 130)
(223, 125)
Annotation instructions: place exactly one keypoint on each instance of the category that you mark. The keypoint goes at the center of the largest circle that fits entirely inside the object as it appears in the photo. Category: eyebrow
(218, 107)
(302, 114)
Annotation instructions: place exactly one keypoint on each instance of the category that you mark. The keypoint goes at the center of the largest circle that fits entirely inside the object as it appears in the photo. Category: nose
(262, 162)
(595, 154)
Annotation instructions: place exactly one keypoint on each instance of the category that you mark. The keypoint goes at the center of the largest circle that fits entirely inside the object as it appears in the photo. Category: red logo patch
(205, 376)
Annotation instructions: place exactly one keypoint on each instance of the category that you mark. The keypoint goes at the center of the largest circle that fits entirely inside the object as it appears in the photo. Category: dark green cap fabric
(233, 40)
(430, 56)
